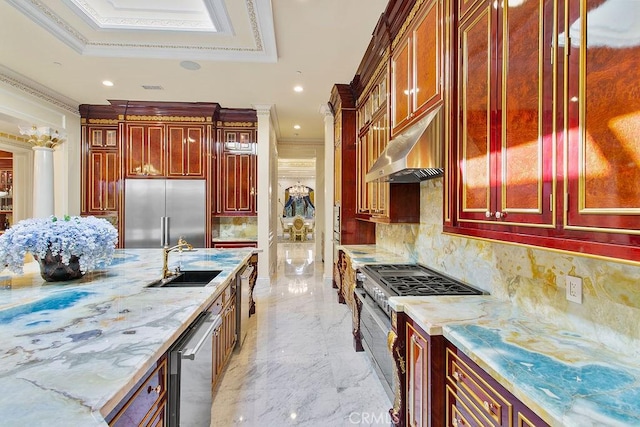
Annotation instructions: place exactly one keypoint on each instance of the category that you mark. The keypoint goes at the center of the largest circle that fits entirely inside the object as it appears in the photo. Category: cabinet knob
(488, 406)
(488, 214)
(157, 389)
(501, 215)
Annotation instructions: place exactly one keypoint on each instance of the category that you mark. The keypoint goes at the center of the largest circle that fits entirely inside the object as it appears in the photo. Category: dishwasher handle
(190, 353)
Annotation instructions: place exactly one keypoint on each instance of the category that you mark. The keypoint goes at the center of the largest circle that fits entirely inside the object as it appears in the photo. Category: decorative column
(44, 140)
(42, 182)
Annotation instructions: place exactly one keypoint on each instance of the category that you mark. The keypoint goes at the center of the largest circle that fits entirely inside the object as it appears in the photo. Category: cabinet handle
(488, 214)
(157, 389)
(458, 376)
(488, 406)
(501, 215)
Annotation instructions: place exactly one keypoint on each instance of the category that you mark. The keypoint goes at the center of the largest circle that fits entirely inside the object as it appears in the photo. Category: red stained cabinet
(416, 76)
(236, 172)
(185, 148)
(505, 134)
(145, 150)
(102, 188)
(602, 123)
(545, 153)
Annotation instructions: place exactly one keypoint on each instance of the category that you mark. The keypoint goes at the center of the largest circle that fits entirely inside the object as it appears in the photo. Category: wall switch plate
(574, 289)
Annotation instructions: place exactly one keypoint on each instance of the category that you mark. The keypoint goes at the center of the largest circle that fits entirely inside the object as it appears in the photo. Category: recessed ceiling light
(107, 83)
(296, 126)
(298, 88)
(190, 65)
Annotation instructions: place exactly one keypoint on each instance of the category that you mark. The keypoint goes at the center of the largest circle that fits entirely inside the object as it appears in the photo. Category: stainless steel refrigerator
(159, 211)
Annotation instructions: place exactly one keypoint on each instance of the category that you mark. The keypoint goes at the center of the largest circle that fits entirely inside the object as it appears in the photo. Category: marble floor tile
(297, 366)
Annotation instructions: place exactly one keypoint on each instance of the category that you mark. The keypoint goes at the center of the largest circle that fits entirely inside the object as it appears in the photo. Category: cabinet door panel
(602, 107)
(426, 50)
(175, 145)
(401, 83)
(237, 187)
(194, 151)
(475, 114)
(104, 181)
(417, 378)
(145, 150)
(185, 147)
(524, 178)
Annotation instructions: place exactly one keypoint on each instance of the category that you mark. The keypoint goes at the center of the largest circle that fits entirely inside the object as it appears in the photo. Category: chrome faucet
(182, 244)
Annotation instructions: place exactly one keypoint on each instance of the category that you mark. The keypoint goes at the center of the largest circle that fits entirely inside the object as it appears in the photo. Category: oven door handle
(376, 312)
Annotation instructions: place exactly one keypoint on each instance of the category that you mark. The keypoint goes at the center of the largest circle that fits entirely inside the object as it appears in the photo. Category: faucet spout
(182, 244)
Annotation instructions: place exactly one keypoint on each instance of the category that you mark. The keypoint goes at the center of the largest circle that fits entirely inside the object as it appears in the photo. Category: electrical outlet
(574, 289)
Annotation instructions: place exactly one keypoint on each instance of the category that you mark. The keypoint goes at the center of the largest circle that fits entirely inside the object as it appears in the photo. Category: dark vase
(52, 269)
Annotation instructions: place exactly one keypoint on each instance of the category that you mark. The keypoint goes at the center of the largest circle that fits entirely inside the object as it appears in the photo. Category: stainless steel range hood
(414, 155)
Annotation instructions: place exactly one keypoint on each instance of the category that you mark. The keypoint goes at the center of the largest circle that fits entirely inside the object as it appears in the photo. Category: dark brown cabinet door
(185, 146)
(145, 150)
(602, 104)
(104, 181)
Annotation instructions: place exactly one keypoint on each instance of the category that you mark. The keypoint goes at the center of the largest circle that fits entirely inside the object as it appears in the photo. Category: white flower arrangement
(91, 239)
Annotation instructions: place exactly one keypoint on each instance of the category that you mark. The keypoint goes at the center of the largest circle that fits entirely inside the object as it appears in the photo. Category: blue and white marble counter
(372, 254)
(565, 377)
(70, 351)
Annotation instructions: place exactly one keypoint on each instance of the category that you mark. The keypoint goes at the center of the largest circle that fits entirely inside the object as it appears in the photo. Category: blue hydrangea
(92, 240)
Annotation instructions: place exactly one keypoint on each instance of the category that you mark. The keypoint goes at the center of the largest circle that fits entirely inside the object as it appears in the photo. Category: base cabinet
(474, 398)
(145, 405)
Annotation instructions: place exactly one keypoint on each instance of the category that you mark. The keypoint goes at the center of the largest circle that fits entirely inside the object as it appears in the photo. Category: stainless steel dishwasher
(190, 373)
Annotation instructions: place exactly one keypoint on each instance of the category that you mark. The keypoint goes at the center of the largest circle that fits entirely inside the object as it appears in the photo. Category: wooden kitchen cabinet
(145, 404)
(350, 229)
(185, 151)
(236, 177)
(416, 65)
(601, 105)
(379, 201)
(422, 385)
(474, 398)
(145, 150)
(543, 145)
(101, 166)
(505, 139)
(224, 336)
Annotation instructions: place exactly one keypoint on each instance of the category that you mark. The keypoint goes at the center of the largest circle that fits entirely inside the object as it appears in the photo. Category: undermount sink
(186, 279)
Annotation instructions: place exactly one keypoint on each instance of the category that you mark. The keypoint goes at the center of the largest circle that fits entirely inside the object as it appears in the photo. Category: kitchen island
(564, 376)
(71, 351)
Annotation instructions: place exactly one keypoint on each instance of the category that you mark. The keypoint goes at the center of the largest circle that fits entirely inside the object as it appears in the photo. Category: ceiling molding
(26, 85)
(262, 47)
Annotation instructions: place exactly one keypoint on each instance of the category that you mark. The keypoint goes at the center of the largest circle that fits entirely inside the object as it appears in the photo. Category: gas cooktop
(416, 280)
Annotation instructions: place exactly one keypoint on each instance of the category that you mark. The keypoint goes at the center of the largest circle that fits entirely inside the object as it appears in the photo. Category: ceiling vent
(152, 87)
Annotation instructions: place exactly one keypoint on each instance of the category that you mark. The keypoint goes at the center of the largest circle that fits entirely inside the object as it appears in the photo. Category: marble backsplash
(532, 278)
(240, 227)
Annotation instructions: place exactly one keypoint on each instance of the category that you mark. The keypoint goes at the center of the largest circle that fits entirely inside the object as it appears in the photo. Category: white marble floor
(297, 365)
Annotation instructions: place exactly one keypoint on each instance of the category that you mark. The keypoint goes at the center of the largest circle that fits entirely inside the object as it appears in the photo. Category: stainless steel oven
(379, 282)
(374, 327)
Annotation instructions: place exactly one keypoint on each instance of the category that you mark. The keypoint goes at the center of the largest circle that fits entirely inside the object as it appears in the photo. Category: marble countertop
(234, 239)
(70, 351)
(372, 254)
(565, 377)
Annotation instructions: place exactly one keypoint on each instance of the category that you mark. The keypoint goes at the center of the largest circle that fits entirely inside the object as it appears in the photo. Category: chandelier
(299, 191)
(43, 136)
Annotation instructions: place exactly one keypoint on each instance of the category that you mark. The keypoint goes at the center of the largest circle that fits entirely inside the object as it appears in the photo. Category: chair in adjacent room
(298, 229)
(286, 228)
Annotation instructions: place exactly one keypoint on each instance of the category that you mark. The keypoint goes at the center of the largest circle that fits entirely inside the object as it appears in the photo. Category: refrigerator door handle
(164, 231)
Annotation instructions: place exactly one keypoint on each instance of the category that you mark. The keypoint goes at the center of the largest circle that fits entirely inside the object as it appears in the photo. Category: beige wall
(533, 278)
